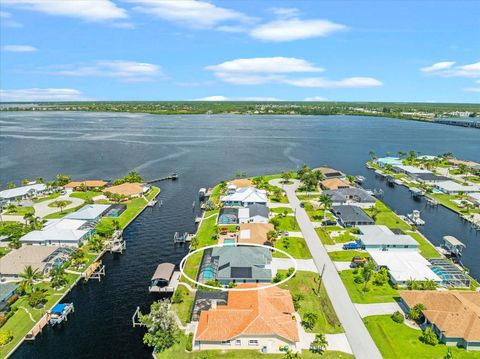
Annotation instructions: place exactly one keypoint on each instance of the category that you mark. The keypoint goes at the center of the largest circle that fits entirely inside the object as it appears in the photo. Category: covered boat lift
(165, 279)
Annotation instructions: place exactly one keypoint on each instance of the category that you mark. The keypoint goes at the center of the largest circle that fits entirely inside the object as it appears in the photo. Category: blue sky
(425, 51)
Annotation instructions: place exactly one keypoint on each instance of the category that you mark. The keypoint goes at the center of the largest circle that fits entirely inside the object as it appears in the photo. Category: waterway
(203, 150)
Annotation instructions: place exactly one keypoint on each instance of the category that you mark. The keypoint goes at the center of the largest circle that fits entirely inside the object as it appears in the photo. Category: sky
(402, 51)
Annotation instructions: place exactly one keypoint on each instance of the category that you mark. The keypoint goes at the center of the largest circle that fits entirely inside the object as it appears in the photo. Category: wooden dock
(37, 328)
(95, 271)
(172, 177)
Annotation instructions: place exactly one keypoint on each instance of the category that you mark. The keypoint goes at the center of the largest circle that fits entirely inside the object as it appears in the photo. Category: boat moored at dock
(165, 279)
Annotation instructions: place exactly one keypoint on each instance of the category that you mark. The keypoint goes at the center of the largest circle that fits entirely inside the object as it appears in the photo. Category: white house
(255, 213)
(10, 195)
(61, 232)
(245, 196)
(381, 237)
(451, 187)
(89, 212)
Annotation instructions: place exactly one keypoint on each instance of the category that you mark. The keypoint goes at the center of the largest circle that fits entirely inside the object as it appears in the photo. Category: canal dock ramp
(173, 177)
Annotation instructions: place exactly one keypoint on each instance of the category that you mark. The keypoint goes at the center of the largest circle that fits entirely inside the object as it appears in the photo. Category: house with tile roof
(453, 315)
(254, 319)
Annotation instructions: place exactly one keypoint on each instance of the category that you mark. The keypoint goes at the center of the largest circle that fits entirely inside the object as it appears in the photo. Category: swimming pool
(229, 241)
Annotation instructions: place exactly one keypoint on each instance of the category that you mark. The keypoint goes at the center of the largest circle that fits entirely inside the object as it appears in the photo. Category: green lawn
(53, 204)
(324, 235)
(305, 283)
(326, 238)
(388, 218)
(184, 309)
(20, 211)
(345, 236)
(62, 214)
(294, 246)
(4, 250)
(426, 249)
(398, 341)
(281, 210)
(447, 201)
(280, 199)
(287, 223)
(20, 323)
(86, 196)
(46, 198)
(178, 352)
(376, 294)
(346, 256)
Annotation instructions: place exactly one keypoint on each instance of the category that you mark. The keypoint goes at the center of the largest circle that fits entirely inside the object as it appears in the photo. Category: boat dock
(152, 203)
(37, 328)
(173, 177)
(165, 279)
(180, 237)
(60, 312)
(95, 271)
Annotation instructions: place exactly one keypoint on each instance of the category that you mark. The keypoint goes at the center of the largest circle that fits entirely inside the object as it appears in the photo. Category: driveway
(359, 338)
(366, 310)
(42, 209)
(342, 265)
(334, 247)
(285, 263)
(278, 205)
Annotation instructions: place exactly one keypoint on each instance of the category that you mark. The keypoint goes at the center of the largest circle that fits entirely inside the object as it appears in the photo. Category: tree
(95, 243)
(290, 355)
(429, 336)
(372, 155)
(326, 202)
(416, 311)
(29, 277)
(398, 317)
(133, 177)
(258, 180)
(278, 277)
(39, 180)
(319, 345)
(309, 320)
(61, 203)
(449, 354)
(62, 180)
(303, 170)
(162, 330)
(15, 243)
(277, 194)
(58, 277)
(25, 182)
(287, 176)
(28, 217)
(78, 257)
(374, 212)
(37, 297)
(10, 185)
(272, 236)
(351, 179)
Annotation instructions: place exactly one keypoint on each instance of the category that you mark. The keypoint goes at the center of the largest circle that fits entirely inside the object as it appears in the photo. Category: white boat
(152, 203)
(414, 218)
(359, 179)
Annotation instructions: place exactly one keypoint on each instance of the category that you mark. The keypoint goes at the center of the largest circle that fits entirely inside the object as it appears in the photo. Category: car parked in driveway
(358, 261)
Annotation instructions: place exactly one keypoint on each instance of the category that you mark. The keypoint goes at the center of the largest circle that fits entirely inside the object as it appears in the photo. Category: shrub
(359, 280)
(188, 346)
(278, 277)
(177, 297)
(429, 337)
(37, 298)
(290, 271)
(309, 320)
(5, 337)
(397, 317)
(297, 298)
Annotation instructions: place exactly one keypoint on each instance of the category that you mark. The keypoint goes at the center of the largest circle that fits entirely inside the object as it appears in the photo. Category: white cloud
(262, 70)
(315, 99)
(7, 20)
(294, 29)
(447, 69)
(19, 48)
(88, 10)
(285, 12)
(126, 71)
(266, 65)
(190, 13)
(320, 82)
(472, 89)
(224, 98)
(41, 94)
(438, 66)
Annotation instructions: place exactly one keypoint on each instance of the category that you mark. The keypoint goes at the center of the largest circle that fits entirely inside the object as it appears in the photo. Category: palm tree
(29, 277)
(39, 180)
(57, 277)
(60, 204)
(28, 217)
(15, 243)
(326, 202)
(372, 155)
(319, 345)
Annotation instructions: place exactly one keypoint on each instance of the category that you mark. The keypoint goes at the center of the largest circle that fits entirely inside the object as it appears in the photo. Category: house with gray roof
(241, 264)
(350, 216)
(353, 196)
(429, 177)
(254, 213)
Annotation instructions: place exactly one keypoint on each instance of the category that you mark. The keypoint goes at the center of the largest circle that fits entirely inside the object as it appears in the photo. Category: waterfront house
(255, 233)
(241, 182)
(42, 258)
(7, 291)
(429, 178)
(453, 315)
(254, 213)
(61, 232)
(129, 190)
(14, 194)
(409, 170)
(351, 196)
(88, 185)
(384, 161)
(381, 237)
(451, 187)
(244, 197)
(350, 216)
(256, 319)
(228, 215)
(334, 183)
(330, 172)
(90, 212)
(475, 198)
(404, 265)
(241, 264)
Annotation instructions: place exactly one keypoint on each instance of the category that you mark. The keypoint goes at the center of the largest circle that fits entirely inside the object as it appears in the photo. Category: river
(203, 150)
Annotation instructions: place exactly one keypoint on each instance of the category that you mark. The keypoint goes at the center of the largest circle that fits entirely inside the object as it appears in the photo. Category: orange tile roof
(258, 232)
(334, 183)
(456, 162)
(456, 313)
(258, 312)
(92, 183)
(126, 189)
(242, 182)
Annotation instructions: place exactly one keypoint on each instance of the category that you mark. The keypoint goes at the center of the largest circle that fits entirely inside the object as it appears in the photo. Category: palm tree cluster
(309, 177)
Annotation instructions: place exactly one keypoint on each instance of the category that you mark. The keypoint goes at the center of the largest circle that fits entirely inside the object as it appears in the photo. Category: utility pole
(320, 280)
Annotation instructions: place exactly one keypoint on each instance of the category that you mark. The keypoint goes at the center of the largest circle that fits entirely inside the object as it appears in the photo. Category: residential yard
(346, 256)
(184, 308)
(86, 196)
(376, 294)
(388, 218)
(324, 233)
(279, 199)
(281, 210)
(305, 283)
(54, 204)
(398, 341)
(448, 201)
(287, 223)
(46, 198)
(294, 246)
(20, 211)
(178, 352)
(426, 249)
(62, 214)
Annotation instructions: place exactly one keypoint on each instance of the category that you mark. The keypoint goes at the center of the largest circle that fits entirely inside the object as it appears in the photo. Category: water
(203, 150)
